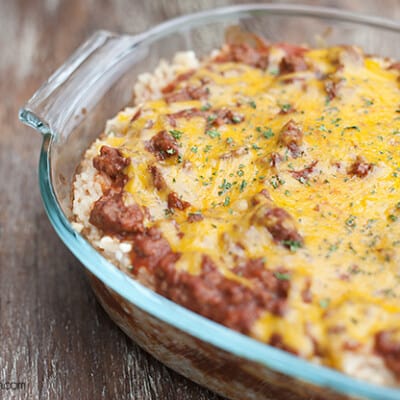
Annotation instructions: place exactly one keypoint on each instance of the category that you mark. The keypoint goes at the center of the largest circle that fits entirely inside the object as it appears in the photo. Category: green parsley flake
(351, 221)
(324, 303)
(282, 276)
(243, 185)
(176, 134)
(267, 133)
(276, 181)
(323, 128)
(252, 104)
(213, 133)
(368, 102)
(293, 245)
(211, 118)
(274, 71)
(286, 107)
(205, 107)
(351, 127)
(333, 247)
(225, 186)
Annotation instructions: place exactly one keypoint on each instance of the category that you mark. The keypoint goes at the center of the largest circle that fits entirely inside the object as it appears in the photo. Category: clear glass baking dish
(70, 110)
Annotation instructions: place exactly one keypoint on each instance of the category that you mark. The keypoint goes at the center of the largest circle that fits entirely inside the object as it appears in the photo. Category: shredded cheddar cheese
(337, 188)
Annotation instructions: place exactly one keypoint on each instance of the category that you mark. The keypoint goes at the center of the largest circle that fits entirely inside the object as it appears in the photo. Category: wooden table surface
(54, 337)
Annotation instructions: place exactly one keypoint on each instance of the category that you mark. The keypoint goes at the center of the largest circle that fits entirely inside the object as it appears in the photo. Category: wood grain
(53, 334)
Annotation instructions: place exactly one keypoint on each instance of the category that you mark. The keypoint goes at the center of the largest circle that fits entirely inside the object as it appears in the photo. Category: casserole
(71, 115)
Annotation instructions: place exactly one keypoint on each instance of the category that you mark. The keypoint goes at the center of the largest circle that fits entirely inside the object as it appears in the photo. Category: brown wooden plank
(53, 334)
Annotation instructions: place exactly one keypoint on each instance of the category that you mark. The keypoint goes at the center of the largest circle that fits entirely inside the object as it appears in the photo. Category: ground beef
(111, 162)
(266, 283)
(360, 167)
(275, 159)
(188, 93)
(175, 202)
(303, 174)
(292, 50)
(395, 66)
(389, 349)
(276, 340)
(112, 216)
(291, 136)
(306, 294)
(287, 109)
(163, 145)
(136, 115)
(214, 117)
(292, 63)
(226, 116)
(186, 113)
(244, 53)
(197, 93)
(158, 179)
(239, 152)
(224, 300)
(260, 197)
(280, 225)
(151, 250)
(195, 217)
(182, 77)
(332, 87)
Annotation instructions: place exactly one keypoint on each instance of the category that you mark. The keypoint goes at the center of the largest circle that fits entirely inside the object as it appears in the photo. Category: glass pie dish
(70, 110)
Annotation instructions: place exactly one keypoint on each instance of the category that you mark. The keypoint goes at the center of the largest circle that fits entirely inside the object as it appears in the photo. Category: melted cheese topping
(350, 224)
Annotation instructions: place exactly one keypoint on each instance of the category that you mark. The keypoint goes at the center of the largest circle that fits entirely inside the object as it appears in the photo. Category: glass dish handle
(61, 102)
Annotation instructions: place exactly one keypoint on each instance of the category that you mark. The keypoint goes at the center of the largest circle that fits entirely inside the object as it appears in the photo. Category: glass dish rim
(172, 313)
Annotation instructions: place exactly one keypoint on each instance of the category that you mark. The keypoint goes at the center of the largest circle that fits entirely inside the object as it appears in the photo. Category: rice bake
(259, 187)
